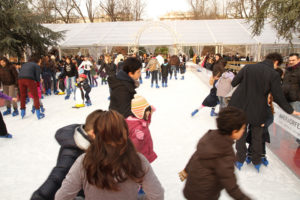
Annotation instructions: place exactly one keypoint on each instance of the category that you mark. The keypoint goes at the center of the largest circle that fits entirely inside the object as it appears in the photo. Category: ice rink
(27, 159)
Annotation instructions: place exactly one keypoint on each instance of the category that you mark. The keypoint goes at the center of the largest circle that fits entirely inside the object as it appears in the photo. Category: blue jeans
(164, 80)
(53, 74)
(70, 84)
(173, 69)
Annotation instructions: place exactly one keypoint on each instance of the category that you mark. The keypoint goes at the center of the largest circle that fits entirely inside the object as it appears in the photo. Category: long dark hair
(111, 157)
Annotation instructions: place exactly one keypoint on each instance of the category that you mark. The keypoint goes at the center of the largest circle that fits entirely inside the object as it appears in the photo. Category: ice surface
(27, 159)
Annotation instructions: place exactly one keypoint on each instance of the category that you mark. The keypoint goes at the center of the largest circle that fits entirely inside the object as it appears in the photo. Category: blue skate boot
(88, 103)
(42, 109)
(238, 165)
(195, 112)
(33, 110)
(212, 112)
(257, 167)
(39, 114)
(248, 160)
(15, 113)
(7, 112)
(23, 113)
(264, 161)
(8, 136)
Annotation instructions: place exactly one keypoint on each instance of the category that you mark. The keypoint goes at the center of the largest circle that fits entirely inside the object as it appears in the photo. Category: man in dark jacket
(29, 77)
(291, 81)
(211, 168)
(9, 81)
(123, 86)
(255, 82)
(74, 140)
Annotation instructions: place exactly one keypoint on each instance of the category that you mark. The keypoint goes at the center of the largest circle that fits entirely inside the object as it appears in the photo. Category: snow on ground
(27, 159)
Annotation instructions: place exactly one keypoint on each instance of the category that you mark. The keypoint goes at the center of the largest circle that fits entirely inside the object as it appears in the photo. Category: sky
(154, 8)
(157, 8)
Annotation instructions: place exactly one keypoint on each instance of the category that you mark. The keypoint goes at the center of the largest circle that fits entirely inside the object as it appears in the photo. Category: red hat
(82, 76)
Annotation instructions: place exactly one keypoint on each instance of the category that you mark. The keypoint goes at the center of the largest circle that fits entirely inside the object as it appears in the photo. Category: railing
(237, 65)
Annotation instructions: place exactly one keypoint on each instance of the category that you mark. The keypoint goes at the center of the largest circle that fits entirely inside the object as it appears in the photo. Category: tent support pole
(59, 53)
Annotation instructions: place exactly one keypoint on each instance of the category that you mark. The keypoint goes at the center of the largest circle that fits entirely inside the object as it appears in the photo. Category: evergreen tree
(284, 15)
(20, 28)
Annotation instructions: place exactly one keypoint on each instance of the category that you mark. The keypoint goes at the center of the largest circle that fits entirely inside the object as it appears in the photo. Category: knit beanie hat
(138, 106)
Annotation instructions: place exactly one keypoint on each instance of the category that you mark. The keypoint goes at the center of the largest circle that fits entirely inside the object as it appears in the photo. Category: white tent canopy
(169, 33)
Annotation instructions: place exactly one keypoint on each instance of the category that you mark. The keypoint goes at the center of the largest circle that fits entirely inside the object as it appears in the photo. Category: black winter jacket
(73, 141)
(255, 82)
(165, 69)
(291, 83)
(69, 70)
(122, 92)
(110, 69)
(30, 70)
(84, 85)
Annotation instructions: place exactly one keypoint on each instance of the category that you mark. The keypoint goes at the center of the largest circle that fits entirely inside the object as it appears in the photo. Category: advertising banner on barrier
(285, 139)
(286, 121)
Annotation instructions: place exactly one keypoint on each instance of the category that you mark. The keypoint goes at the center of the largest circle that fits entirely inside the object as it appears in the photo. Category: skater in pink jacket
(138, 126)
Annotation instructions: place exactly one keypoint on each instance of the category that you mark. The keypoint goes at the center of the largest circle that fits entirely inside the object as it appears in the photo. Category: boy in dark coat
(74, 140)
(255, 82)
(123, 86)
(165, 69)
(211, 167)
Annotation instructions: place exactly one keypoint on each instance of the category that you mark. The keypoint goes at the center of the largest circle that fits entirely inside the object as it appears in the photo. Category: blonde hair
(107, 56)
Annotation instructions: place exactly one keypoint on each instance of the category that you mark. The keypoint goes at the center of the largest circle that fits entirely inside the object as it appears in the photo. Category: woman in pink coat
(138, 126)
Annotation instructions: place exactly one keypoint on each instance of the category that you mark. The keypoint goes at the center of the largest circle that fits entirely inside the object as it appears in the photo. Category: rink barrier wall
(284, 132)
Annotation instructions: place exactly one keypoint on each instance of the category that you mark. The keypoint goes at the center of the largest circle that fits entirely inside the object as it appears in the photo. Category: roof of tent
(153, 33)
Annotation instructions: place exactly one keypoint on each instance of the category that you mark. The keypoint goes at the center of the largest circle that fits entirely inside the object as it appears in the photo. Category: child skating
(211, 167)
(210, 101)
(83, 94)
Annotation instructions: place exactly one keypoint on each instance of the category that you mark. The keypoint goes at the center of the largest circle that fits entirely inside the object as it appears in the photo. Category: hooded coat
(73, 141)
(211, 169)
(255, 82)
(122, 92)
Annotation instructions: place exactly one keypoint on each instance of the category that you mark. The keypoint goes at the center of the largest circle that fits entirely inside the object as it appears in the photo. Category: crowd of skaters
(113, 150)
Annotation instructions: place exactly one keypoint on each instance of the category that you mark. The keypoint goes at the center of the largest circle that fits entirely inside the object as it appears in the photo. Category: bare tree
(138, 9)
(125, 12)
(92, 9)
(65, 9)
(77, 8)
(111, 9)
(214, 14)
(45, 8)
(198, 8)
